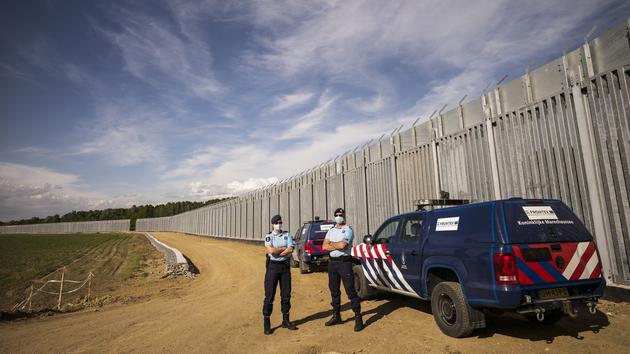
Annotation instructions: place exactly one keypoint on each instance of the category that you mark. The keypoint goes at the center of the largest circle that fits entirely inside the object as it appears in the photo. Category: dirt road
(220, 311)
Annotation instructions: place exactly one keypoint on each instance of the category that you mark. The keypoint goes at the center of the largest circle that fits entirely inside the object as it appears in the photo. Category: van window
(320, 230)
(412, 229)
(543, 222)
(387, 232)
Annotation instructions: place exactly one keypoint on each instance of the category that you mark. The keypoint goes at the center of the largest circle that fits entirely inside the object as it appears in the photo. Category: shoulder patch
(343, 231)
(268, 239)
(286, 237)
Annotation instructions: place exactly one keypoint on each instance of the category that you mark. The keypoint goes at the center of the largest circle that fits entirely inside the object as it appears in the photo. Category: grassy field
(111, 257)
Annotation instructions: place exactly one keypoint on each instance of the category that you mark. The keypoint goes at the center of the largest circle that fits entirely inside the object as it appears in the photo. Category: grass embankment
(111, 257)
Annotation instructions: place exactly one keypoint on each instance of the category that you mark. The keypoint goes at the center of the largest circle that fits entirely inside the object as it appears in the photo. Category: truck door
(404, 250)
(377, 256)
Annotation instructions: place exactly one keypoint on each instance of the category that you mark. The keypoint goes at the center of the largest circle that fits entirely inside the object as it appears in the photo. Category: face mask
(339, 219)
(277, 227)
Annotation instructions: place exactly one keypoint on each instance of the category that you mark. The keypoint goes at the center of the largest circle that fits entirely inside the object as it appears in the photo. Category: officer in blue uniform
(279, 245)
(339, 242)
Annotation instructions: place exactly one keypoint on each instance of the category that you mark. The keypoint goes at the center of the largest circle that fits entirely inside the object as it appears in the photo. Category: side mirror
(367, 239)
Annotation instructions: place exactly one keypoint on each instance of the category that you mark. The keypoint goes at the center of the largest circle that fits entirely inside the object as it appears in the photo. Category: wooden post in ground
(60, 290)
(30, 299)
(89, 285)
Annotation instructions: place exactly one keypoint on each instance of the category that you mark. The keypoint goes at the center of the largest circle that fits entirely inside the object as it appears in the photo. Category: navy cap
(339, 210)
(275, 219)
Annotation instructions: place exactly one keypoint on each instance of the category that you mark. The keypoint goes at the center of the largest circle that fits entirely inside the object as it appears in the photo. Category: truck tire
(361, 284)
(304, 267)
(450, 310)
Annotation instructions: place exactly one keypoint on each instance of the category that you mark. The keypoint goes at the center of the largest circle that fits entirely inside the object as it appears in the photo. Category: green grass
(25, 257)
(137, 262)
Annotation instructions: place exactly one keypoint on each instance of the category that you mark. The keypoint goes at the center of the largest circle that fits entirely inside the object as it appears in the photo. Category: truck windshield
(320, 230)
(548, 221)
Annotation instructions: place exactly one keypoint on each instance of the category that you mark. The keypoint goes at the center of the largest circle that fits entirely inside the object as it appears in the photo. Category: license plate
(554, 293)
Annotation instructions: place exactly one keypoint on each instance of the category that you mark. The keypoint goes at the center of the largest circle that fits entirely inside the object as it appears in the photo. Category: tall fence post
(593, 179)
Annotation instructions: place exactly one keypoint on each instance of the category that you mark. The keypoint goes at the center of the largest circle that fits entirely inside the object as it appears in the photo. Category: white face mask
(339, 219)
(277, 227)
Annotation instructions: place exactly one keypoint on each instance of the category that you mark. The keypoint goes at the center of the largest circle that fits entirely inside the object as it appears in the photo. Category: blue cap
(275, 219)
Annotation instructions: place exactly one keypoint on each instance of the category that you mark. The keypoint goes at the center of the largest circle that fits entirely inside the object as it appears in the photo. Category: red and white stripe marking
(584, 263)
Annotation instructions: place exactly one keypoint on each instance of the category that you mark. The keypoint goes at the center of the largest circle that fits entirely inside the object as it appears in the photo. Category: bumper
(318, 259)
(520, 297)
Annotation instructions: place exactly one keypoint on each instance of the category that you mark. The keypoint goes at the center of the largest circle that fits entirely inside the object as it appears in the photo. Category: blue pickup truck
(534, 257)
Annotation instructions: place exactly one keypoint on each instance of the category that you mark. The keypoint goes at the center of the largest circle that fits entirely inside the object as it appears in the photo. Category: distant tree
(132, 213)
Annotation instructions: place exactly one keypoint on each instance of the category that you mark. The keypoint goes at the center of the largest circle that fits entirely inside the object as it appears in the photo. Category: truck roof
(478, 204)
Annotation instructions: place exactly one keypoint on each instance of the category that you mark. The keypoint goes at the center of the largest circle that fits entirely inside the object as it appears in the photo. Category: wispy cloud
(35, 150)
(291, 101)
(152, 50)
(124, 135)
(303, 127)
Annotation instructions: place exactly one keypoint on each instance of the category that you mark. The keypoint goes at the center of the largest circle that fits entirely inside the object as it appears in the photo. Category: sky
(114, 103)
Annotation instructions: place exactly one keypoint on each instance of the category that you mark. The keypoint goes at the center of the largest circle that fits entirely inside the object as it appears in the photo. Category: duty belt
(341, 258)
(279, 262)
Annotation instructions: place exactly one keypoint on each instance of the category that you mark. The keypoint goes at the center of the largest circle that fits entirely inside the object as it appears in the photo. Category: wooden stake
(89, 286)
(30, 299)
(60, 290)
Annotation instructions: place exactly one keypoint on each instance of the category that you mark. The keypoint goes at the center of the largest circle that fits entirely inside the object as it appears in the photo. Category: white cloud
(291, 101)
(372, 105)
(303, 126)
(250, 184)
(206, 190)
(201, 162)
(36, 150)
(125, 135)
(27, 191)
(153, 50)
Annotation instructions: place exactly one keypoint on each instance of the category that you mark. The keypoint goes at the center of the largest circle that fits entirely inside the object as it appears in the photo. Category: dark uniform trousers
(277, 272)
(340, 270)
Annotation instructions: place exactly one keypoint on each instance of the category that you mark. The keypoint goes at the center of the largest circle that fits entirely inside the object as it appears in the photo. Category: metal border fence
(69, 227)
(561, 131)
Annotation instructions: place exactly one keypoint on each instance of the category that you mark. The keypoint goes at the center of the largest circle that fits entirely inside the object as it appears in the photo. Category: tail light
(505, 269)
(307, 247)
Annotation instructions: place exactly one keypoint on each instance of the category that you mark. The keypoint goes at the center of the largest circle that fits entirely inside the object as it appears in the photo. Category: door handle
(414, 253)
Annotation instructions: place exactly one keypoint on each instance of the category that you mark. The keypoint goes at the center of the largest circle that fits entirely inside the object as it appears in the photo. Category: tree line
(132, 213)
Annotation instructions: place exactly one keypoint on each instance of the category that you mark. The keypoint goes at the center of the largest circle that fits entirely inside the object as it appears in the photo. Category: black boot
(358, 322)
(286, 323)
(336, 319)
(267, 325)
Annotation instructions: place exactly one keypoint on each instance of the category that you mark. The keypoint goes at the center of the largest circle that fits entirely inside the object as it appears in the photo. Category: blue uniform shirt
(279, 240)
(343, 234)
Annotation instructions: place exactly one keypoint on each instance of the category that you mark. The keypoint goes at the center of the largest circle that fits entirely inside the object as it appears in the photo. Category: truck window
(543, 222)
(412, 229)
(387, 232)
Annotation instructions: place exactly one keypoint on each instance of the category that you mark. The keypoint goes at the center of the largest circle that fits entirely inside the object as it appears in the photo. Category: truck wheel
(450, 310)
(304, 267)
(551, 317)
(361, 284)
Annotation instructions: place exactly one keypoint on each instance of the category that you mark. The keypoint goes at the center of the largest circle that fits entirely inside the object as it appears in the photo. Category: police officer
(339, 241)
(279, 245)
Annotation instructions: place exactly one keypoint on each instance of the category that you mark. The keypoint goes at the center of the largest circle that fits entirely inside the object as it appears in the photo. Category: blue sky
(114, 103)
